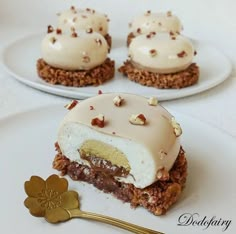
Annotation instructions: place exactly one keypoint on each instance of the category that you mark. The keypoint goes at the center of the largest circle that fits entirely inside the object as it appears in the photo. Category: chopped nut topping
(195, 52)
(59, 31)
(99, 121)
(150, 35)
(138, 119)
(89, 30)
(53, 40)
(118, 100)
(162, 154)
(153, 52)
(169, 13)
(50, 29)
(98, 41)
(72, 29)
(84, 16)
(100, 29)
(162, 174)
(172, 35)
(138, 30)
(99, 92)
(176, 127)
(72, 8)
(182, 54)
(113, 133)
(152, 101)
(91, 107)
(74, 34)
(74, 19)
(108, 20)
(159, 23)
(148, 13)
(71, 105)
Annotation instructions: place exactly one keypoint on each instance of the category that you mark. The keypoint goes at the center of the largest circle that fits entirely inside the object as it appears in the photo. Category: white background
(213, 21)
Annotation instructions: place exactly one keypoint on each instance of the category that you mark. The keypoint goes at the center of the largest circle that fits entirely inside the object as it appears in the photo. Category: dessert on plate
(154, 22)
(74, 58)
(161, 60)
(126, 145)
(85, 19)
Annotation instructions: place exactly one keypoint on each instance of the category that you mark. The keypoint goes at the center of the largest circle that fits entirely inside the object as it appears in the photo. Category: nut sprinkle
(71, 105)
(138, 119)
(50, 29)
(99, 121)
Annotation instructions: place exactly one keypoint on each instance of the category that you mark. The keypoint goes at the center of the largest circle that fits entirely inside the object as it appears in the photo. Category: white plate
(20, 60)
(27, 148)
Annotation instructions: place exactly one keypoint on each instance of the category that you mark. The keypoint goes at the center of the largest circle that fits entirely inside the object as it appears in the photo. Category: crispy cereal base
(176, 80)
(156, 198)
(95, 76)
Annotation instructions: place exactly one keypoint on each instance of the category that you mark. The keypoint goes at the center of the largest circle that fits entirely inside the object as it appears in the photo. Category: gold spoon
(51, 199)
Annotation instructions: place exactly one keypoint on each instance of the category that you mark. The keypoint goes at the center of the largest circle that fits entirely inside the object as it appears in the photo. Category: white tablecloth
(208, 20)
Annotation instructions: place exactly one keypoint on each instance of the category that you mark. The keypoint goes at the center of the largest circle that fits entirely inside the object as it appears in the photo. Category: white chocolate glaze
(83, 52)
(161, 52)
(143, 145)
(83, 19)
(156, 22)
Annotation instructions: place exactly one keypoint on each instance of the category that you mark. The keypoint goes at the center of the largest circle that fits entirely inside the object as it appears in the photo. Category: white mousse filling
(161, 52)
(143, 164)
(77, 50)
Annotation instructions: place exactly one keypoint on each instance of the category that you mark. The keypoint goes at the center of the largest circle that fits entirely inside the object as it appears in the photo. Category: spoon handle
(76, 213)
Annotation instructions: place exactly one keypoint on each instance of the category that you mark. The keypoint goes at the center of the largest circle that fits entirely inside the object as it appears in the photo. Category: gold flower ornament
(51, 199)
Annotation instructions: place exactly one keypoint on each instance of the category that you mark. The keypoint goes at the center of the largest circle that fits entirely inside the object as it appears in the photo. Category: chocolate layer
(157, 198)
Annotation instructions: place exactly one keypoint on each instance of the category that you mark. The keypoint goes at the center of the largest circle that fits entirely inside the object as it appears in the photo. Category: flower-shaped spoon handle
(51, 199)
(77, 213)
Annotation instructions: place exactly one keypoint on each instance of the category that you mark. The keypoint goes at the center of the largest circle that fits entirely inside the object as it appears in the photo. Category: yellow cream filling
(105, 151)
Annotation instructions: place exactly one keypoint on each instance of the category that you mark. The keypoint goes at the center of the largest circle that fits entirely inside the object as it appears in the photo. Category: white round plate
(27, 148)
(20, 59)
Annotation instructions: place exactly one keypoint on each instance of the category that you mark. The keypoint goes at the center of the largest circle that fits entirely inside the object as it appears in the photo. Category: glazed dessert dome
(126, 145)
(77, 50)
(83, 19)
(161, 52)
(75, 58)
(161, 60)
(154, 22)
(136, 143)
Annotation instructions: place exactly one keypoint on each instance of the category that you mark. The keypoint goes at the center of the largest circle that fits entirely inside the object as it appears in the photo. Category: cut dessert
(75, 58)
(125, 145)
(161, 60)
(85, 19)
(154, 22)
